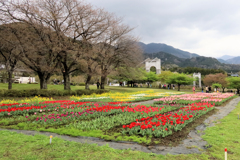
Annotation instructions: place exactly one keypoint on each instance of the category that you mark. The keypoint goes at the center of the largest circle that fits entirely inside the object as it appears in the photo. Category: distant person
(209, 89)
(98, 84)
(206, 89)
(202, 89)
(55, 81)
(193, 88)
(173, 87)
(168, 86)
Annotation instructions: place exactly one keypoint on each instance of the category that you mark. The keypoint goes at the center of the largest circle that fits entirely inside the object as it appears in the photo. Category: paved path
(144, 102)
(194, 137)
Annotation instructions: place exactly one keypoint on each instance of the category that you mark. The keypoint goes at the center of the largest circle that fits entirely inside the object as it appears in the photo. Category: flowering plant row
(127, 115)
(162, 125)
(217, 98)
(22, 109)
(47, 106)
(35, 99)
(123, 97)
(102, 116)
(81, 113)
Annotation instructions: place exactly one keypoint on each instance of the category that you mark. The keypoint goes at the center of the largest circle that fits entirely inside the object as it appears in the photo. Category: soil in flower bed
(174, 139)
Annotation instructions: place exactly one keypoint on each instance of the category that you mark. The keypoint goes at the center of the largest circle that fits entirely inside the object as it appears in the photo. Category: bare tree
(64, 32)
(38, 41)
(216, 78)
(9, 50)
(77, 26)
(117, 48)
(90, 24)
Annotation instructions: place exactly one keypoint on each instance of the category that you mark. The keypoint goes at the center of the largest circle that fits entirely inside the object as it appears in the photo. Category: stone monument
(153, 63)
(199, 77)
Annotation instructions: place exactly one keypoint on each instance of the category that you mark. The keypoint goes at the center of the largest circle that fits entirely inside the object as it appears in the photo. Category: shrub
(1, 93)
(81, 84)
(48, 93)
(11, 93)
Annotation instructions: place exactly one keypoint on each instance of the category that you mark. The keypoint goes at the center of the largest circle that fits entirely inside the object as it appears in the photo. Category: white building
(26, 79)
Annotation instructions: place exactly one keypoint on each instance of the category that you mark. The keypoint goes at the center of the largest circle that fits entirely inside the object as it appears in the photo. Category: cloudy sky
(206, 27)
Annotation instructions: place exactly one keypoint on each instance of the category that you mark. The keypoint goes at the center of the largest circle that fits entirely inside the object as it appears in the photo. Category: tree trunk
(223, 89)
(43, 79)
(103, 78)
(87, 81)
(10, 81)
(66, 77)
(178, 87)
(43, 82)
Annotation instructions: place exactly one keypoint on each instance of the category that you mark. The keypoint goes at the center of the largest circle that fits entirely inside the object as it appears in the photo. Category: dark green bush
(48, 93)
(11, 93)
(43, 93)
(81, 84)
(1, 93)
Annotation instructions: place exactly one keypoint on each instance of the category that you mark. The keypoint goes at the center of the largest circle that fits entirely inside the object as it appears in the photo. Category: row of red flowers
(138, 108)
(167, 122)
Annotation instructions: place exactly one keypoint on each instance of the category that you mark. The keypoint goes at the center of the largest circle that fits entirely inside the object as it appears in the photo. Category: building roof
(234, 75)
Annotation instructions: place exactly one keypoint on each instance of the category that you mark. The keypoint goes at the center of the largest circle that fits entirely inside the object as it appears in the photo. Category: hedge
(48, 93)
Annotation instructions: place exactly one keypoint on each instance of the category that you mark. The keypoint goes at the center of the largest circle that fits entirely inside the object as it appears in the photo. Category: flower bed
(123, 97)
(121, 119)
(216, 98)
(162, 125)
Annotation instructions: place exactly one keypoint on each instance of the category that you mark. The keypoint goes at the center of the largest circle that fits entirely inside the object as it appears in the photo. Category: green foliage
(191, 70)
(128, 74)
(153, 69)
(151, 76)
(216, 85)
(81, 84)
(180, 79)
(164, 76)
(234, 82)
(48, 93)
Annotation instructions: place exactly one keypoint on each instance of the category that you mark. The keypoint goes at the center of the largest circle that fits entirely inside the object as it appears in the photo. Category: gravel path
(194, 137)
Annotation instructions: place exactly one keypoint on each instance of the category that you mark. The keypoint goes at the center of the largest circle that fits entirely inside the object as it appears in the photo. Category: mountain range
(226, 57)
(173, 57)
(229, 59)
(160, 47)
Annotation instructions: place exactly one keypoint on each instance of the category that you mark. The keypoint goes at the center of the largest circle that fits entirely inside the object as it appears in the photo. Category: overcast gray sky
(206, 27)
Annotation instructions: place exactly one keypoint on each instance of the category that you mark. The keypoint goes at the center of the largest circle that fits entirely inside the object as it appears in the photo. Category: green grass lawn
(19, 146)
(111, 88)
